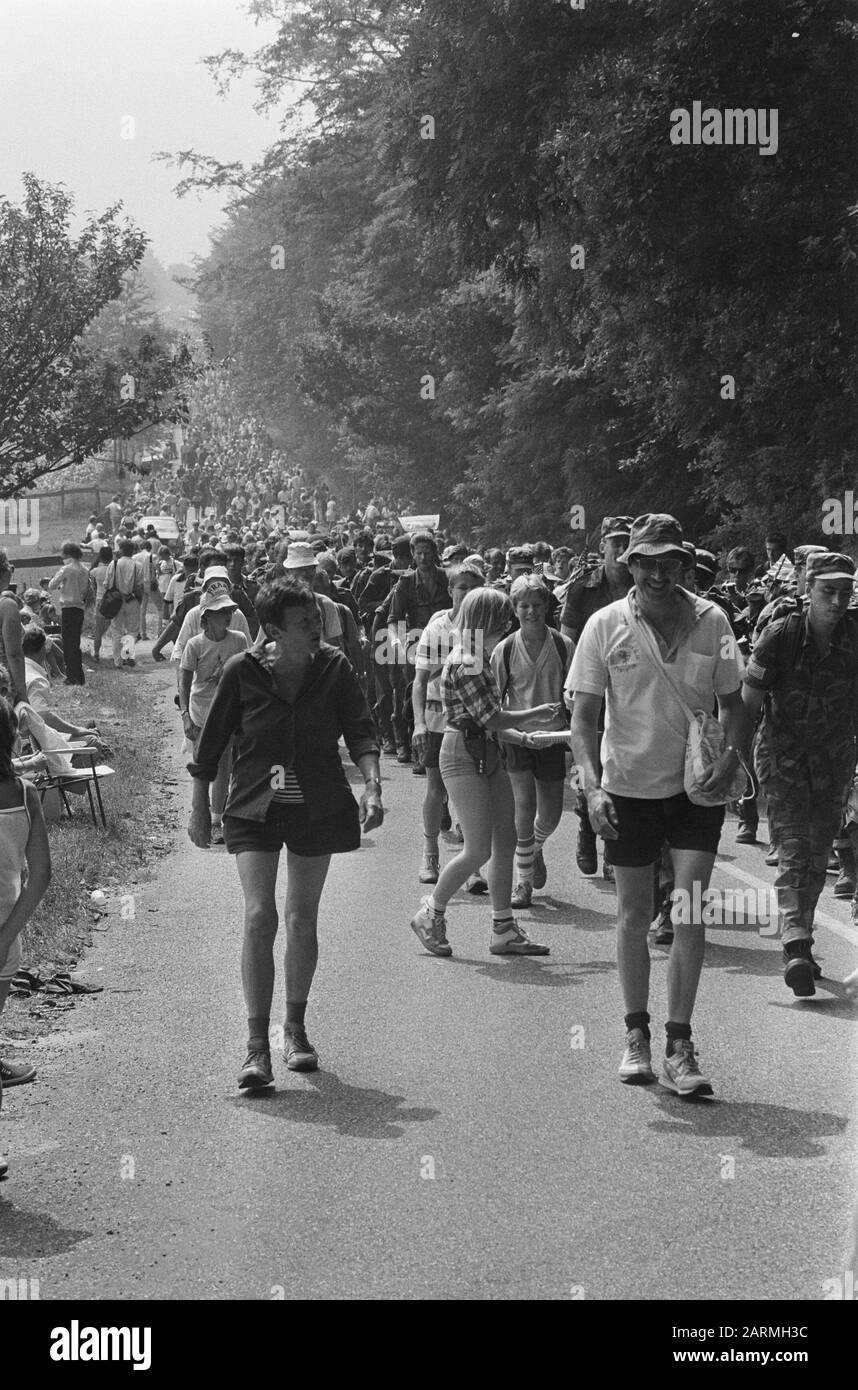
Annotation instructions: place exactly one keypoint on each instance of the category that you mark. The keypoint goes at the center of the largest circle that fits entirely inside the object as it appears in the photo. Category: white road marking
(843, 929)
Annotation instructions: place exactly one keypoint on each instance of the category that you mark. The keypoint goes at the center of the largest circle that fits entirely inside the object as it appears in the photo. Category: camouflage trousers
(803, 823)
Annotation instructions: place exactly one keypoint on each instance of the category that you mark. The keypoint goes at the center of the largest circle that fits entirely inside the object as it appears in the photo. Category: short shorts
(291, 826)
(645, 825)
(546, 764)
(455, 760)
(432, 749)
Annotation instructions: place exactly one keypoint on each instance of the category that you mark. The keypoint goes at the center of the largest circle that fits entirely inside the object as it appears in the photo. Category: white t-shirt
(38, 684)
(433, 649)
(643, 747)
(192, 626)
(532, 683)
(207, 659)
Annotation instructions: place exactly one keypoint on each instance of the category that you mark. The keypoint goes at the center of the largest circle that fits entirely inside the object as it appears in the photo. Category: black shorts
(432, 748)
(645, 825)
(291, 826)
(546, 764)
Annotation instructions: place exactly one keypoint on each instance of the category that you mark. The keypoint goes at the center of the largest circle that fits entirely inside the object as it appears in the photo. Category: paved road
(467, 1137)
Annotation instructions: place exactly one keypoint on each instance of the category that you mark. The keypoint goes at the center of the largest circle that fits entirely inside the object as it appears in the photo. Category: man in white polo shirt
(638, 801)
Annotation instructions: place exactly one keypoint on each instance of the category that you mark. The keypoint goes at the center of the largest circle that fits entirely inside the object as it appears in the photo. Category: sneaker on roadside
(540, 873)
(513, 941)
(845, 885)
(636, 1067)
(389, 747)
(746, 834)
(11, 1074)
(256, 1072)
(431, 929)
(681, 1072)
(429, 869)
(522, 895)
(476, 884)
(299, 1053)
(403, 754)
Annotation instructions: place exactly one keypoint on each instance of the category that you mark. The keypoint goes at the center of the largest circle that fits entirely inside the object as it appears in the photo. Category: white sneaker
(431, 929)
(681, 1072)
(429, 869)
(636, 1066)
(513, 941)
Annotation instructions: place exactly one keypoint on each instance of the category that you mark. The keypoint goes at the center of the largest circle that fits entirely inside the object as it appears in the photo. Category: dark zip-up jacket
(270, 734)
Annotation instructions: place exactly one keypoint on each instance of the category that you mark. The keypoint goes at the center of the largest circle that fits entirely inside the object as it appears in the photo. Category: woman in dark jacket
(285, 704)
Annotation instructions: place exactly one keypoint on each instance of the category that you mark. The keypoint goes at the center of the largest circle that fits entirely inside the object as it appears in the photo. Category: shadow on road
(357, 1111)
(534, 970)
(553, 912)
(772, 1131)
(32, 1235)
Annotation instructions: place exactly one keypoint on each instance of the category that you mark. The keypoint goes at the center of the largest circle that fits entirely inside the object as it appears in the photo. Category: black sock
(639, 1021)
(674, 1032)
(257, 1029)
(295, 1012)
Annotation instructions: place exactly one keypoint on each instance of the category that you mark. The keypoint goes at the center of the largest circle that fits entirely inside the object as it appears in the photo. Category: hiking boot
(256, 1072)
(476, 884)
(431, 929)
(681, 1072)
(511, 940)
(522, 895)
(429, 869)
(585, 848)
(845, 885)
(418, 770)
(388, 746)
(798, 975)
(540, 873)
(403, 754)
(746, 834)
(636, 1067)
(299, 1053)
(663, 926)
(13, 1075)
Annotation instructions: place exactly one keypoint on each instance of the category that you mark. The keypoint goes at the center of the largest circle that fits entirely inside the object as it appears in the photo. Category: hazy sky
(72, 70)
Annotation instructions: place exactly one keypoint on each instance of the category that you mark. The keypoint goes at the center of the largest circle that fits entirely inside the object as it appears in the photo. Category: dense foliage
(399, 288)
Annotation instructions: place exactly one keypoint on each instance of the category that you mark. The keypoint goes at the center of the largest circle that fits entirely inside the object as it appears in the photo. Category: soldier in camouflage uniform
(598, 585)
(805, 669)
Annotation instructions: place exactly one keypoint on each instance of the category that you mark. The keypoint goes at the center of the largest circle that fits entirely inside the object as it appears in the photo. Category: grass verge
(140, 817)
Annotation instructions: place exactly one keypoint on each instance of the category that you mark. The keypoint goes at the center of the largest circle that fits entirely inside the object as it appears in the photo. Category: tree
(61, 395)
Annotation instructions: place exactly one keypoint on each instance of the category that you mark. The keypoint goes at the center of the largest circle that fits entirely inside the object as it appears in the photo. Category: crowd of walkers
(660, 683)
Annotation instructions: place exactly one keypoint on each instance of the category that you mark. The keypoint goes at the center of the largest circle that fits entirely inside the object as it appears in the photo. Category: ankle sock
(502, 920)
(539, 838)
(524, 853)
(257, 1034)
(295, 1012)
(675, 1032)
(434, 906)
(640, 1020)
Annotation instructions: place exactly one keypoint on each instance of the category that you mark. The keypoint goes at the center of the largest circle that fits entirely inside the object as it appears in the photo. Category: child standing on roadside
(23, 844)
(203, 659)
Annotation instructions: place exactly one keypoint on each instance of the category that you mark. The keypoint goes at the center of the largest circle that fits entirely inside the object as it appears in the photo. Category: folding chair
(91, 777)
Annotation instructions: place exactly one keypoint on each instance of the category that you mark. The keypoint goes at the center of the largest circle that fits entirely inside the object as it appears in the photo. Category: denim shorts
(455, 760)
(291, 826)
(646, 824)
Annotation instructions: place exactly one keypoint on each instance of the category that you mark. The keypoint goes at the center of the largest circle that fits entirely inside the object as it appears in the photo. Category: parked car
(167, 528)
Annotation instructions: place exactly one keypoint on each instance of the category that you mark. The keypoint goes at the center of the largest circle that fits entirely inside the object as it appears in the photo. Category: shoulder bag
(111, 600)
